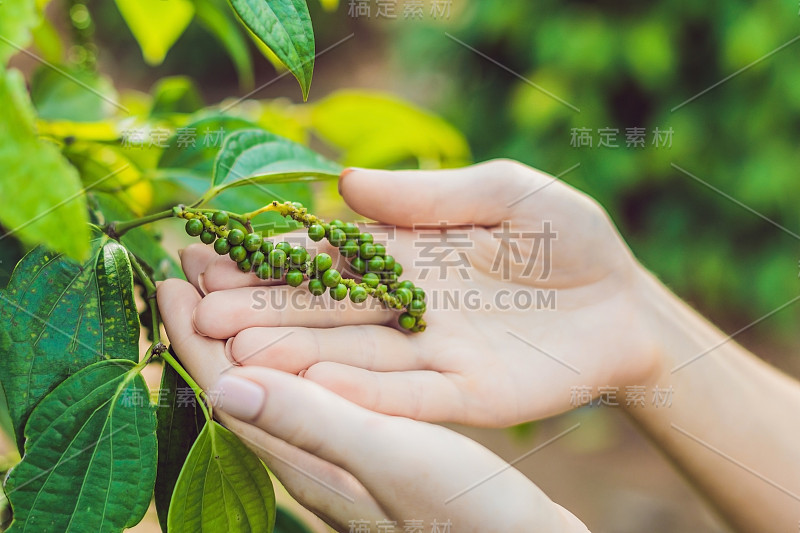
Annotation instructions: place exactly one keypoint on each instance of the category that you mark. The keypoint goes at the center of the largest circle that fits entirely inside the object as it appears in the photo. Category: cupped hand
(350, 465)
(531, 293)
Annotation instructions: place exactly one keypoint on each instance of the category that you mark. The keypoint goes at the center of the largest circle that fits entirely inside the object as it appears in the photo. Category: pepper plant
(94, 448)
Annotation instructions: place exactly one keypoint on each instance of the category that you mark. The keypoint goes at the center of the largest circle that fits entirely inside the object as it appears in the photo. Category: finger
(194, 260)
(303, 473)
(223, 314)
(483, 194)
(418, 394)
(295, 349)
(390, 455)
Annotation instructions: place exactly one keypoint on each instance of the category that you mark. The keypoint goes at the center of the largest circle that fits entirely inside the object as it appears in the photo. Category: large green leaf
(223, 487)
(41, 192)
(180, 421)
(218, 20)
(90, 454)
(257, 156)
(284, 26)
(156, 24)
(59, 316)
(17, 18)
(286, 522)
(175, 94)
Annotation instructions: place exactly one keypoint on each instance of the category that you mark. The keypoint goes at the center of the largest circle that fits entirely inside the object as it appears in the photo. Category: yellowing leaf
(377, 130)
(156, 24)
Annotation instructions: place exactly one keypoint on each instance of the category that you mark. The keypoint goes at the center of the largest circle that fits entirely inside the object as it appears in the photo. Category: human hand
(346, 463)
(480, 363)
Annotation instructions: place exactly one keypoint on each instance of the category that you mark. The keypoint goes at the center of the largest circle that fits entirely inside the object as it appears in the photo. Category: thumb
(483, 194)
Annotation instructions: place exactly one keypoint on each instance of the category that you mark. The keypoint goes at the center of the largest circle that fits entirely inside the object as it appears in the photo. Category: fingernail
(201, 282)
(344, 173)
(180, 253)
(194, 323)
(302, 373)
(240, 397)
(229, 352)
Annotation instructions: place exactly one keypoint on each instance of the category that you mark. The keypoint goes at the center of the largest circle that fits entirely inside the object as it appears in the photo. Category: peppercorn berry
(380, 250)
(277, 258)
(316, 232)
(376, 264)
(220, 218)
(222, 246)
(257, 258)
(336, 223)
(266, 247)
(388, 263)
(407, 321)
(331, 277)
(404, 296)
(264, 271)
(406, 285)
(207, 237)
(416, 308)
(316, 287)
(371, 279)
(398, 269)
(367, 250)
(277, 272)
(299, 255)
(349, 248)
(419, 294)
(365, 237)
(245, 266)
(235, 236)
(338, 292)
(252, 242)
(358, 265)
(323, 262)
(238, 253)
(337, 237)
(358, 294)
(351, 230)
(294, 278)
(194, 227)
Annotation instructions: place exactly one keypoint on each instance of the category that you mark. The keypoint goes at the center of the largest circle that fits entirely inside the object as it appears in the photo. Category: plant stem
(198, 391)
(118, 229)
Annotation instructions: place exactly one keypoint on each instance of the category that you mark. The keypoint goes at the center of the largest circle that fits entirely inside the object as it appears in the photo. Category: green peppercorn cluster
(379, 272)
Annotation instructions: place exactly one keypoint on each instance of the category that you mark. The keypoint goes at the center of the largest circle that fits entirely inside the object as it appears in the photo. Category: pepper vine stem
(157, 348)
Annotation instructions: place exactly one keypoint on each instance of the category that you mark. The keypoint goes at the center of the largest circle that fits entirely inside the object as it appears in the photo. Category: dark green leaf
(59, 316)
(257, 156)
(218, 20)
(90, 454)
(223, 487)
(284, 26)
(286, 522)
(180, 421)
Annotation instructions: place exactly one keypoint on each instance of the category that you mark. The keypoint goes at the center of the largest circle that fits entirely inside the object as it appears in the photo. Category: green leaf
(175, 94)
(198, 157)
(156, 24)
(285, 27)
(90, 454)
(59, 316)
(217, 19)
(180, 421)
(142, 241)
(286, 522)
(76, 98)
(376, 130)
(223, 486)
(17, 18)
(43, 202)
(257, 156)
